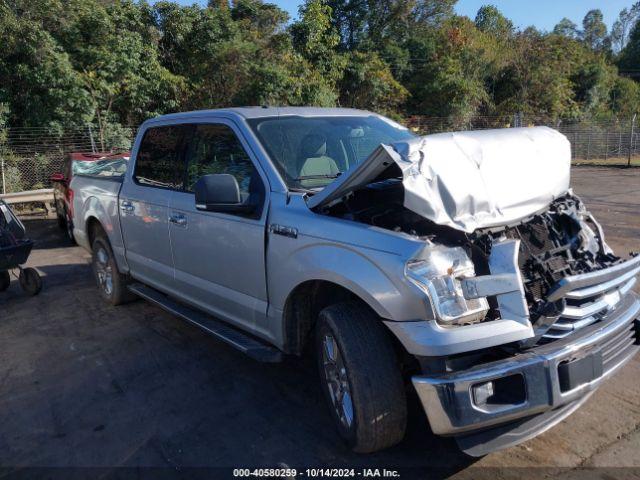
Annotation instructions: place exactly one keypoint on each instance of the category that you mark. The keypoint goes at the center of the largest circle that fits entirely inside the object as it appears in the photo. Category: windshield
(310, 152)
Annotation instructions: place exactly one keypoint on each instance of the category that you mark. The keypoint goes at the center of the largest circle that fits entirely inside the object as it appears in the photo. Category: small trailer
(14, 252)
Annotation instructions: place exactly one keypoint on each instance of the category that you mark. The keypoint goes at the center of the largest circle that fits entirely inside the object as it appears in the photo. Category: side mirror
(220, 193)
(57, 177)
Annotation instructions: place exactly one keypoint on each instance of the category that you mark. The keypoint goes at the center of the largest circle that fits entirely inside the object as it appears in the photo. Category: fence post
(93, 143)
(620, 145)
(606, 146)
(633, 124)
(4, 186)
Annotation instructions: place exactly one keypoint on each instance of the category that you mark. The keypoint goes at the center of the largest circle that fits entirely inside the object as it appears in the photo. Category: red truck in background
(82, 163)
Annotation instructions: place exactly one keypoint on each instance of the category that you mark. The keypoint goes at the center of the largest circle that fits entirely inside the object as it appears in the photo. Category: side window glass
(216, 149)
(158, 161)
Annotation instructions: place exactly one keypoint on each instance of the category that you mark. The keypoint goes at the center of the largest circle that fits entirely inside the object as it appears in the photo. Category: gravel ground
(83, 384)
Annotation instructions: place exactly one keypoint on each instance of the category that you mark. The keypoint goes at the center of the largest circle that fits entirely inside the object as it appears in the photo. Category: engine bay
(564, 240)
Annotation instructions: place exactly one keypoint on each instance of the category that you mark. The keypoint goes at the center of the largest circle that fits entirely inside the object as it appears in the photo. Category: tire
(371, 377)
(30, 281)
(62, 224)
(5, 280)
(111, 283)
(68, 225)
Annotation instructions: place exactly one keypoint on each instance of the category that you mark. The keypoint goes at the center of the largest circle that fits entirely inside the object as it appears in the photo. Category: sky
(543, 14)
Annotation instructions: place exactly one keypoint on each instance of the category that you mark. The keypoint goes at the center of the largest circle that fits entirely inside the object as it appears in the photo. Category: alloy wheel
(335, 374)
(104, 271)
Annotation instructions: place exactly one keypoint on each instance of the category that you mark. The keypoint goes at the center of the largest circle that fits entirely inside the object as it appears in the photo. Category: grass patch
(609, 162)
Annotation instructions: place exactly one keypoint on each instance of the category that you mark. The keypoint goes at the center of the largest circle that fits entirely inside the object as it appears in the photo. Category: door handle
(126, 206)
(178, 219)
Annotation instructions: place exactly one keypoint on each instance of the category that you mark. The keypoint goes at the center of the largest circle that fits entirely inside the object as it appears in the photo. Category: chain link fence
(29, 156)
(614, 142)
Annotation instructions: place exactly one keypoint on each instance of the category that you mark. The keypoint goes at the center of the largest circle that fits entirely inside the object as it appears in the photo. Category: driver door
(219, 258)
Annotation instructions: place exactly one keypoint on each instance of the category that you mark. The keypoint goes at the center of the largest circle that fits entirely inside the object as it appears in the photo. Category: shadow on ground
(86, 384)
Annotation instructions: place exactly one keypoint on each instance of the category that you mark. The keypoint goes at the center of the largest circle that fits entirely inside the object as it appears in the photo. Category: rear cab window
(114, 166)
(159, 160)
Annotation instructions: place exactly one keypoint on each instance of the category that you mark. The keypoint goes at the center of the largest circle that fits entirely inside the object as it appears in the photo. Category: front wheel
(360, 377)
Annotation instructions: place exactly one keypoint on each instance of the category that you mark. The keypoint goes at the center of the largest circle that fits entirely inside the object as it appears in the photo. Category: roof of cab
(261, 112)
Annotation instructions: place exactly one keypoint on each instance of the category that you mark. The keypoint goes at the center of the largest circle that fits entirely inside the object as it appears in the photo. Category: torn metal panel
(469, 180)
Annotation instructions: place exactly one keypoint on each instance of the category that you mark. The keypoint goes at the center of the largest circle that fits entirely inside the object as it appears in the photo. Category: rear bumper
(547, 395)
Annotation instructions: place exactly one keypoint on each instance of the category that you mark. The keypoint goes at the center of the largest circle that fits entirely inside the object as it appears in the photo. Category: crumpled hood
(469, 180)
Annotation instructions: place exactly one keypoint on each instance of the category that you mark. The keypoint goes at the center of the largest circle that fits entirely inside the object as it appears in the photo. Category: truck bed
(96, 197)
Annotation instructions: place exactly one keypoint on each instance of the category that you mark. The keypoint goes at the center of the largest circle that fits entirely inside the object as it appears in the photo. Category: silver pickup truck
(459, 264)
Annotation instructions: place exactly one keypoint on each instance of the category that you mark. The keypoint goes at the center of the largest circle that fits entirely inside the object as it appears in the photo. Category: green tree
(625, 97)
(369, 84)
(432, 12)
(490, 20)
(37, 78)
(629, 58)
(450, 66)
(317, 40)
(594, 30)
(117, 60)
(566, 28)
(622, 26)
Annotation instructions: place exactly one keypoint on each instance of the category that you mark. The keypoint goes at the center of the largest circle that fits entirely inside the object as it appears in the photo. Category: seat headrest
(313, 145)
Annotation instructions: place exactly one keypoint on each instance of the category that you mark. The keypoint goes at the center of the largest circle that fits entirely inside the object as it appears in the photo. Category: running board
(251, 346)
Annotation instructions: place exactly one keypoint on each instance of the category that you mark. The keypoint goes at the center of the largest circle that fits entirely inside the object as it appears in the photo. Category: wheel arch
(303, 306)
(93, 227)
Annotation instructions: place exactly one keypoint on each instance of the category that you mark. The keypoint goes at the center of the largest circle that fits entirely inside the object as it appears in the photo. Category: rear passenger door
(219, 257)
(144, 202)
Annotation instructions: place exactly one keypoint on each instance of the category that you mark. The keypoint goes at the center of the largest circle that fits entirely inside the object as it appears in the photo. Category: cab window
(158, 163)
(215, 149)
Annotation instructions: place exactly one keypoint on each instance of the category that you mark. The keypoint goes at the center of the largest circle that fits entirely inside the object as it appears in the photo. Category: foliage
(622, 26)
(369, 84)
(118, 62)
(630, 55)
(566, 28)
(594, 30)
(490, 20)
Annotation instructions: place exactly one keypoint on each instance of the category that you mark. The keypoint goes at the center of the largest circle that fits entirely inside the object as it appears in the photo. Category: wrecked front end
(554, 274)
(531, 308)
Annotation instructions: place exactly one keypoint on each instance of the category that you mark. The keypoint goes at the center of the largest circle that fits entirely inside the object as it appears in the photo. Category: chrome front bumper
(449, 402)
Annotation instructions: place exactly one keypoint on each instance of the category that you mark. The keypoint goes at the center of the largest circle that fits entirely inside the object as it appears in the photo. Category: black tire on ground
(372, 374)
(5, 280)
(69, 230)
(111, 283)
(30, 281)
(62, 224)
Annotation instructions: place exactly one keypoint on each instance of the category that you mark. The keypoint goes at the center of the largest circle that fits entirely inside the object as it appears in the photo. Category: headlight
(438, 275)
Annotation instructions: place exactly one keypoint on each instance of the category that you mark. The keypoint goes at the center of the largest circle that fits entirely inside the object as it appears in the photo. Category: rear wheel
(68, 225)
(360, 377)
(5, 280)
(112, 284)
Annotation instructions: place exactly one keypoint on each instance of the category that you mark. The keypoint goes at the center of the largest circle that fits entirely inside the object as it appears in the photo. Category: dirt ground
(83, 384)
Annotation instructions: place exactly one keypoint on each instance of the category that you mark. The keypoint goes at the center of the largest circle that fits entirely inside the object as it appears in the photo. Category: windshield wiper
(316, 177)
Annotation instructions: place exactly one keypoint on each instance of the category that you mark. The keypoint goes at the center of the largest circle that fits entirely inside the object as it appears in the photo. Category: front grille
(588, 305)
(617, 348)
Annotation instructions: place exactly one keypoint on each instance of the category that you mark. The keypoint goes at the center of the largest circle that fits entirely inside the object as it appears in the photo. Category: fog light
(499, 393)
(482, 392)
